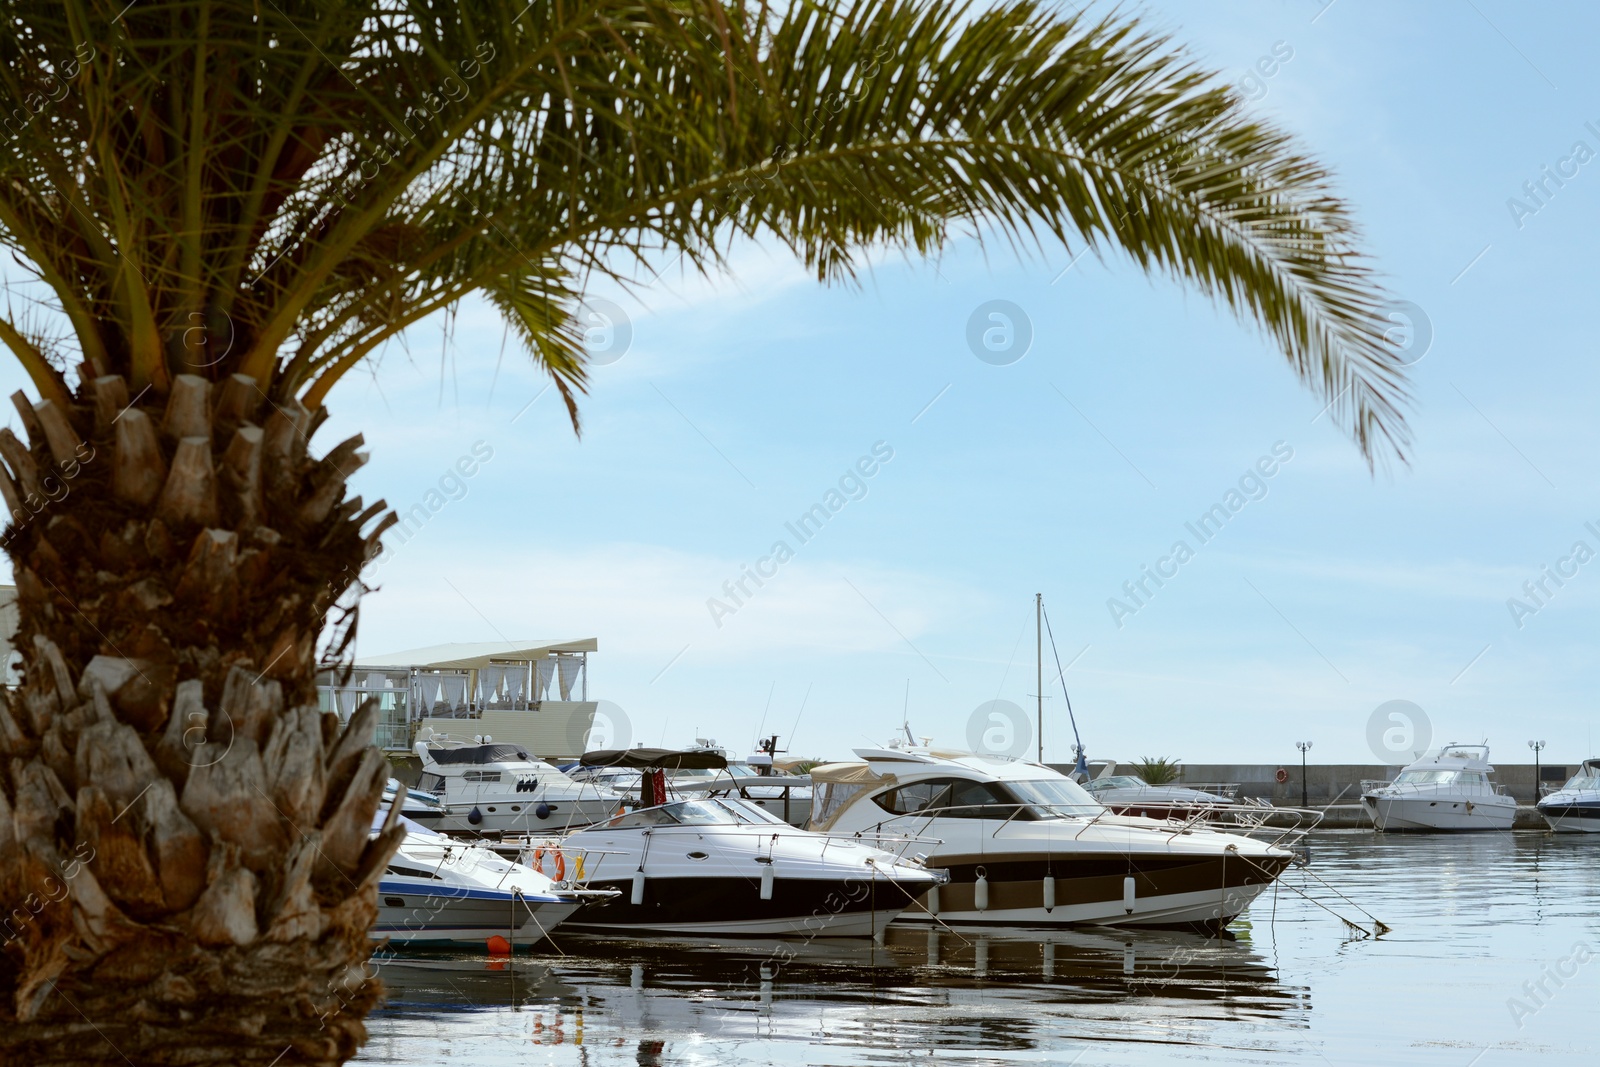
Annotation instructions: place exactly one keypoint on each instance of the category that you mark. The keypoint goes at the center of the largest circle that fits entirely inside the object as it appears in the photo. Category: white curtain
(349, 700)
(570, 666)
(547, 671)
(455, 691)
(427, 693)
(489, 679)
(516, 682)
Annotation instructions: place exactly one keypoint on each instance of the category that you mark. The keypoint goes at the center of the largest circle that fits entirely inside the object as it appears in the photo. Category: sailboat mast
(1038, 640)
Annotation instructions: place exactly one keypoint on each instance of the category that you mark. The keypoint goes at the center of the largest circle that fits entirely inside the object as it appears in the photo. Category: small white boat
(1575, 807)
(1449, 790)
(439, 891)
(489, 788)
(1028, 846)
(424, 809)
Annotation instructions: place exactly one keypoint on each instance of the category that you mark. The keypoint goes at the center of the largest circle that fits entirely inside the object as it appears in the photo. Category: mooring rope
(1379, 928)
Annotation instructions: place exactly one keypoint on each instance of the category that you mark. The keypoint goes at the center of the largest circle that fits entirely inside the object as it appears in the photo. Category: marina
(525, 527)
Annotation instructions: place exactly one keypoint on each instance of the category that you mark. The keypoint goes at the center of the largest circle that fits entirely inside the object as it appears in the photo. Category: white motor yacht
(489, 788)
(727, 868)
(439, 891)
(1449, 790)
(1027, 846)
(1129, 794)
(1575, 807)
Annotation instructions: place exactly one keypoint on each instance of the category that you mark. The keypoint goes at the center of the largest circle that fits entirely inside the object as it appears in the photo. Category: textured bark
(186, 868)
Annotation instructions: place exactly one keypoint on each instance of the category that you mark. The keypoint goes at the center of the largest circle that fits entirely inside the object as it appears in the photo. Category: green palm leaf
(325, 175)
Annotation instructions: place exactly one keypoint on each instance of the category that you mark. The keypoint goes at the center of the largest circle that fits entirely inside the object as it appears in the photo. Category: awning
(475, 655)
(851, 773)
(496, 753)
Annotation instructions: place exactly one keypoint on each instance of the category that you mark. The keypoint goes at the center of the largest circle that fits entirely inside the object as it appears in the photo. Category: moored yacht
(1027, 846)
(728, 868)
(1449, 790)
(1129, 794)
(439, 891)
(1575, 807)
(489, 788)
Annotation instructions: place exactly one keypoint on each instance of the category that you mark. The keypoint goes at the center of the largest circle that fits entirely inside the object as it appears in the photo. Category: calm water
(1473, 918)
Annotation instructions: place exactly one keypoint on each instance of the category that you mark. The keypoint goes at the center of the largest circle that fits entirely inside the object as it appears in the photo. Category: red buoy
(499, 946)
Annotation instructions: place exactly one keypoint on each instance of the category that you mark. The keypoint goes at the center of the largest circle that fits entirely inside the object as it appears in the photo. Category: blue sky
(742, 400)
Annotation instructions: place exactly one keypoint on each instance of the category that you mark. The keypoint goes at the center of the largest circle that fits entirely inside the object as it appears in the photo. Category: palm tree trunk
(186, 867)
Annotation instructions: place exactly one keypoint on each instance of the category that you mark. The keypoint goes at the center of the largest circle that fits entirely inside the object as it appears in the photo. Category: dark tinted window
(949, 798)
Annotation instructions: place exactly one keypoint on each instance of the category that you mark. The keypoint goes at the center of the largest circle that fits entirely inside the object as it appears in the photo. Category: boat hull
(522, 817)
(1181, 891)
(1450, 814)
(1579, 817)
(712, 906)
(409, 915)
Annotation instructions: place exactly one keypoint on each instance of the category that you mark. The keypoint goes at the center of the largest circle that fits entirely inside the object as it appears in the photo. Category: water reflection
(917, 989)
(1473, 918)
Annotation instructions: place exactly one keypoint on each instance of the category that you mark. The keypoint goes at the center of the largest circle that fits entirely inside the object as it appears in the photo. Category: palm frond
(325, 174)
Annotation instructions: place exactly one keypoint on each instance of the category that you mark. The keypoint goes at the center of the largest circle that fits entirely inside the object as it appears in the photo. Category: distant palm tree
(1158, 770)
(225, 206)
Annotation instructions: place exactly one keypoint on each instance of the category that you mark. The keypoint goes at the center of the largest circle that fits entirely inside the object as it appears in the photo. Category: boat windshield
(682, 813)
(745, 811)
(1118, 781)
(1427, 778)
(1060, 796)
(1583, 781)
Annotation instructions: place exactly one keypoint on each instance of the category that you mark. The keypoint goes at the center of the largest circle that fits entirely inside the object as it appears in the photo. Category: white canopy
(474, 655)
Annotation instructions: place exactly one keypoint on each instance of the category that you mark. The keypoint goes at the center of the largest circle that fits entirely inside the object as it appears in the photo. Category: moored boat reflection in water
(916, 989)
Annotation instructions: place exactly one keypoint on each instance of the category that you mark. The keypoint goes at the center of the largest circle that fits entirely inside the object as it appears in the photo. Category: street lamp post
(1304, 747)
(1536, 746)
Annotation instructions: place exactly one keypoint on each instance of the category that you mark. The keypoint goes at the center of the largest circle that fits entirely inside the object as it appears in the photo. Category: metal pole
(1304, 747)
(1038, 640)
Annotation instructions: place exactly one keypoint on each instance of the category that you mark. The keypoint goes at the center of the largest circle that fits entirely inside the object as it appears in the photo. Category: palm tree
(223, 206)
(1158, 770)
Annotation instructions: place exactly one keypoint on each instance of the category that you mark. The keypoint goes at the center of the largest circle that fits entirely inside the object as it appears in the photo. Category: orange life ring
(1282, 776)
(561, 862)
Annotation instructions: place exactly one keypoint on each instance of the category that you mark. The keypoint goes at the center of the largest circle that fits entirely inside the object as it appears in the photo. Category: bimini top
(669, 759)
(480, 754)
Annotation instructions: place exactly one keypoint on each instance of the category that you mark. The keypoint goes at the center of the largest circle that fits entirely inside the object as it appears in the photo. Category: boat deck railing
(1446, 789)
(1221, 789)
